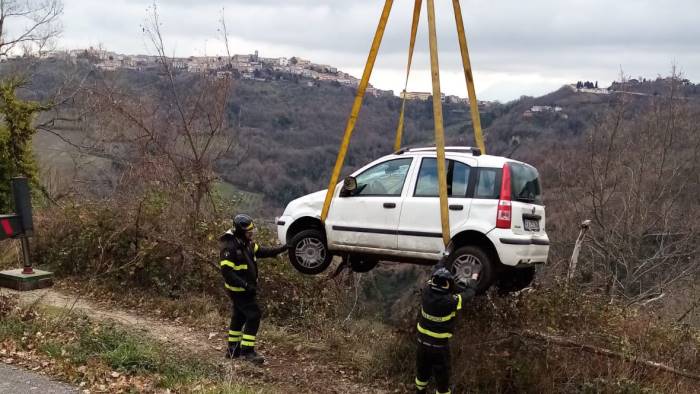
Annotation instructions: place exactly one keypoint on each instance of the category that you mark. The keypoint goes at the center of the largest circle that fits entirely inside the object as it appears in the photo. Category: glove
(281, 249)
(462, 284)
(465, 283)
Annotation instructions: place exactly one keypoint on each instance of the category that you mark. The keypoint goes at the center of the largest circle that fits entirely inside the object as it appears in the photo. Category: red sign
(9, 226)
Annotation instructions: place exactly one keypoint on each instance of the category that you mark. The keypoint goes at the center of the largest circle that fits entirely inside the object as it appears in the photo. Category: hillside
(286, 130)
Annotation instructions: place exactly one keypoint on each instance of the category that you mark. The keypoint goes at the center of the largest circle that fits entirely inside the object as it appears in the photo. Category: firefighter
(441, 300)
(239, 254)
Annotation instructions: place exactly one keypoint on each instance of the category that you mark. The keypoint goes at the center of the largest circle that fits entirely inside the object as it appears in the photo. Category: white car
(389, 210)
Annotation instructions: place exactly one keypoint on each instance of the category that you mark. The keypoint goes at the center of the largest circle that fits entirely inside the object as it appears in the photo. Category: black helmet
(242, 223)
(442, 279)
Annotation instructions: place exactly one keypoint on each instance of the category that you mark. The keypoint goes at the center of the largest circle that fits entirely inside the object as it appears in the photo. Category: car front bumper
(283, 223)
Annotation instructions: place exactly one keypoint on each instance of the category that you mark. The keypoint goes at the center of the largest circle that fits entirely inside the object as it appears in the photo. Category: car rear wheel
(309, 253)
(513, 279)
(469, 259)
(362, 263)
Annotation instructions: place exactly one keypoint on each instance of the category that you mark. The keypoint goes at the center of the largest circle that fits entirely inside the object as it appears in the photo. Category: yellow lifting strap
(473, 104)
(439, 129)
(357, 105)
(411, 46)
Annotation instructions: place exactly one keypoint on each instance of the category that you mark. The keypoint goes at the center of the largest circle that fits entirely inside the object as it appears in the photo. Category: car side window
(488, 184)
(457, 179)
(384, 179)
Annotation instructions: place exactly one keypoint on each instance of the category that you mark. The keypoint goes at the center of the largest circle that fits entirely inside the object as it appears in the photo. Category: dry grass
(490, 355)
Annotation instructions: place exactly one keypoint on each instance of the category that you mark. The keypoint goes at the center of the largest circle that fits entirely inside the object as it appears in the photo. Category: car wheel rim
(310, 253)
(465, 265)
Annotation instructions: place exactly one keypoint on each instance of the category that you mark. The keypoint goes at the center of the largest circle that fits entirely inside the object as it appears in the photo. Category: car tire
(462, 261)
(513, 279)
(309, 253)
(361, 263)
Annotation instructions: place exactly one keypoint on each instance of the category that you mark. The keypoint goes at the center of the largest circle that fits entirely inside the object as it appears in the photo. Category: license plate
(531, 225)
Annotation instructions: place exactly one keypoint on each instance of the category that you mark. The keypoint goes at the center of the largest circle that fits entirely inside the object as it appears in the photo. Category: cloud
(563, 41)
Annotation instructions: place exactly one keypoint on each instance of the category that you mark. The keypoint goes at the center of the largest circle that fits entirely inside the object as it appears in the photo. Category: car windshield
(525, 183)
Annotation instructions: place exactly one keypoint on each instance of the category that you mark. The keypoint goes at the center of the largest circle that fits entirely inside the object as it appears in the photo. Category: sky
(517, 47)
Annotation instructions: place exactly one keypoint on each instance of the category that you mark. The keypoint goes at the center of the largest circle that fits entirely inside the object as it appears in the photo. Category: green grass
(12, 327)
(129, 352)
(234, 388)
(243, 200)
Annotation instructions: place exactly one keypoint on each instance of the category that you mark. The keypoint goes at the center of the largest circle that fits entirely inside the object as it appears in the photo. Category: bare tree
(170, 133)
(28, 25)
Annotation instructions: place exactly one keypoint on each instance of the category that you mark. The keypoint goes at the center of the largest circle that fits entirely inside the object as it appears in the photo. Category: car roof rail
(474, 151)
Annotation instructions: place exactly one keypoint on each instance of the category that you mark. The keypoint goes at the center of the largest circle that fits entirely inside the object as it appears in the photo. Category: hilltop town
(246, 66)
(239, 66)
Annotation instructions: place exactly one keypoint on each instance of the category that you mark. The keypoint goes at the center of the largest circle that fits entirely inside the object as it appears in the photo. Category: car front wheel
(469, 259)
(309, 253)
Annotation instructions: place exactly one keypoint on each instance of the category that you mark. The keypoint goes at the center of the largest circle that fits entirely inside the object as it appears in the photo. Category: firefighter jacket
(238, 263)
(438, 312)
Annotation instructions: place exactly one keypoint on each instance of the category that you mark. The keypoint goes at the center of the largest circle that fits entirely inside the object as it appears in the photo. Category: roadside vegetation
(101, 356)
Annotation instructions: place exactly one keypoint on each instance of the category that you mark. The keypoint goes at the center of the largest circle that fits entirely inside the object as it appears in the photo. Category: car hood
(308, 205)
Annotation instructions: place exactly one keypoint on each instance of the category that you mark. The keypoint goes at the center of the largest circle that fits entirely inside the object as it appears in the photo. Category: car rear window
(488, 186)
(525, 183)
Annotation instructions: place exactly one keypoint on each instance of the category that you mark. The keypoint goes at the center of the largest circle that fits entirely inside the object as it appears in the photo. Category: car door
(370, 217)
(420, 227)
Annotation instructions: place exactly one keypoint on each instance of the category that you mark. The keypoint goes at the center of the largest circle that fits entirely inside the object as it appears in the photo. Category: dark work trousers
(433, 361)
(245, 318)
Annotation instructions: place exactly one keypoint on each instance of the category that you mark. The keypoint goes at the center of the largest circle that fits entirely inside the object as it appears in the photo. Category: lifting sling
(411, 46)
(437, 102)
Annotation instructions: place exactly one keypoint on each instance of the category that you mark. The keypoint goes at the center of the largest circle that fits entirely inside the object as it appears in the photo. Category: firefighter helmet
(442, 278)
(242, 223)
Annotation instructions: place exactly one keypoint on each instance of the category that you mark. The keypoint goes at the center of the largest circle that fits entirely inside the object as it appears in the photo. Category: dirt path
(285, 370)
(19, 381)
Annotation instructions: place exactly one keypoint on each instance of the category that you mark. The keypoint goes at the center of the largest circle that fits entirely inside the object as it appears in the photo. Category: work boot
(250, 355)
(233, 351)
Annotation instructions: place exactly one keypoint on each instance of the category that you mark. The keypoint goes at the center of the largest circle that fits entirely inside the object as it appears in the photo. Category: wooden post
(585, 225)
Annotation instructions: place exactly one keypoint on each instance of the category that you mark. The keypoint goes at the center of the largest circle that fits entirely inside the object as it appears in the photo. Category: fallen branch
(565, 342)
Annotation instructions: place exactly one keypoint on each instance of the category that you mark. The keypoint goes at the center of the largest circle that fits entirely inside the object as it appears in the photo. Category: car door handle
(389, 205)
(456, 207)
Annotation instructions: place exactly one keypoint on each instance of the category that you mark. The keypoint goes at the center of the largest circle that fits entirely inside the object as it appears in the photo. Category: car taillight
(504, 214)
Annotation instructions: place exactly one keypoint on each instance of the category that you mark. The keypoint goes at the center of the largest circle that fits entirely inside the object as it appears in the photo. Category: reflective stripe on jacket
(438, 314)
(238, 263)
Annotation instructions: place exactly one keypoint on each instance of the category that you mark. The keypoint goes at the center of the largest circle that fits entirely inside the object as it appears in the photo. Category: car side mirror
(349, 187)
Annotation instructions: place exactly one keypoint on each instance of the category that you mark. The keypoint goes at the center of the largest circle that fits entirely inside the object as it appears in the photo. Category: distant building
(423, 96)
(456, 100)
(109, 65)
(545, 108)
(301, 62)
